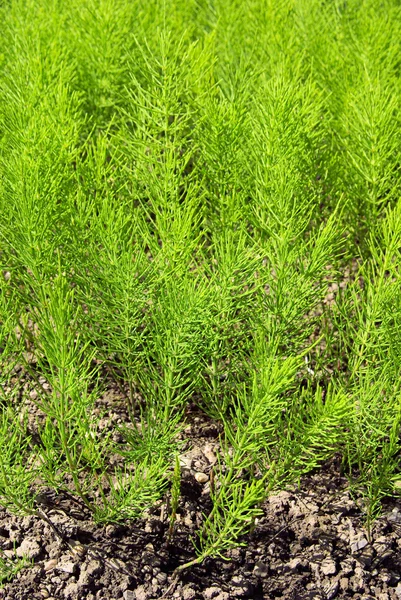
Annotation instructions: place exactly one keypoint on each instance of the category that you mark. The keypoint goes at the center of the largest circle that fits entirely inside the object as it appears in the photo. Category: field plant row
(200, 203)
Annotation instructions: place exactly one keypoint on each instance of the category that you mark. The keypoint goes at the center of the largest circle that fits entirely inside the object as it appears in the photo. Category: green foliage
(9, 567)
(183, 187)
(17, 465)
(175, 496)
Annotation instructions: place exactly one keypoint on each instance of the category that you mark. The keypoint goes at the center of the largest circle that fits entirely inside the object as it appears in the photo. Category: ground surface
(310, 543)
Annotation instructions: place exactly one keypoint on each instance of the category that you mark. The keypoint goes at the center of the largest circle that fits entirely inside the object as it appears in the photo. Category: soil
(310, 542)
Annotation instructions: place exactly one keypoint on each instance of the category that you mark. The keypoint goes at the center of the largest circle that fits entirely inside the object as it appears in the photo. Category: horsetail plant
(194, 197)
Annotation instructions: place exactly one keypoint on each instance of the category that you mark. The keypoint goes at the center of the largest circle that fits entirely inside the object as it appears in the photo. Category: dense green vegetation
(200, 201)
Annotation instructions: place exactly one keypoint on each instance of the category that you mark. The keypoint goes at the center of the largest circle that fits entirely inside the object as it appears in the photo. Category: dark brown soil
(310, 542)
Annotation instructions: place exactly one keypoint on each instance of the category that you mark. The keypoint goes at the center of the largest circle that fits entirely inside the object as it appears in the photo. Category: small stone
(149, 558)
(331, 590)
(67, 567)
(347, 566)
(358, 544)
(84, 579)
(209, 453)
(89, 571)
(94, 567)
(211, 592)
(328, 567)
(297, 564)
(185, 461)
(201, 477)
(206, 489)
(357, 583)
(359, 572)
(188, 522)
(29, 548)
(155, 584)
(28, 522)
(381, 543)
(261, 569)
(111, 530)
(240, 587)
(318, 557)
(161, 578)
(344, 583)
(394, 516)
(139, 594)
(385, 577)
(366, 558)
(71, 591)
(33, 394)
(53, 550)
(188, 593)
(398, 590)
